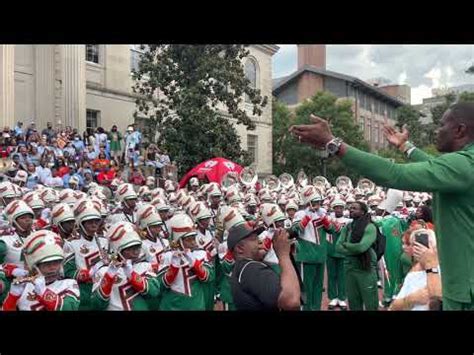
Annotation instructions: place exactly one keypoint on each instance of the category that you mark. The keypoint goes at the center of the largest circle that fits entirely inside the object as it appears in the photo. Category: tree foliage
(290, 156)
(466, 97)
(407, 115)
(186, 90)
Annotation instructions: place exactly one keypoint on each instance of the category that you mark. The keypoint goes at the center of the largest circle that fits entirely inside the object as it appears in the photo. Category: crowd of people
(60, 158)
(238, 244)
(151, 248)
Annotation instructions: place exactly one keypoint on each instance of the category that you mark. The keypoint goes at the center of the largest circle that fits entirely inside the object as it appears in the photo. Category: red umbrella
(213, 169)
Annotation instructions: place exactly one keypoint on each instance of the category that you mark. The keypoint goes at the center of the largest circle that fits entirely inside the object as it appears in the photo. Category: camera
(291, 233)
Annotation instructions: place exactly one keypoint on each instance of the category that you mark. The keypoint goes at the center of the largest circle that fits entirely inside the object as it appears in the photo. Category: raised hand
(395, 137)
(316, 134)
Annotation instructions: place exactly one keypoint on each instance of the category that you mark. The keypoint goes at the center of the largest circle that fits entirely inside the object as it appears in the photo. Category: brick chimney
(312, 54)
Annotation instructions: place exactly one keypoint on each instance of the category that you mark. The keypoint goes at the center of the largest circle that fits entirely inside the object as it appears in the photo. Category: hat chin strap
(16, 225)
(150, 234)
(84, 230)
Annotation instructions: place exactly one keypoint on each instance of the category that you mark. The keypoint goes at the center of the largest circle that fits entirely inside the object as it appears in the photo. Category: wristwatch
(433, 270)
(333, 146)
(407, 148)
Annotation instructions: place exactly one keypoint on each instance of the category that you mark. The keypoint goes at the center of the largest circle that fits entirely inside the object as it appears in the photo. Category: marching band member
(63, 221)
(229, 217)
(311, 253)
(35, 202)
(335, 260)
(8, 192)
(214, 194)
(392, 228)
(153, 243)
(186, 270)
(127, 197)
(20, 216)
(163, 209)
(273, 218)
(205, 240)
(47, 290)
(193, 185)
(127, 283)
(86, 254)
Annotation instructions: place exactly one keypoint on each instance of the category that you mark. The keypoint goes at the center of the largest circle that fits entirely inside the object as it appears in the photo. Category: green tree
(183, 90)
(407, 115)
(282, 119)
(391, 153)
(290, 156)
(466, 97)
(470, 70)
(438, 111)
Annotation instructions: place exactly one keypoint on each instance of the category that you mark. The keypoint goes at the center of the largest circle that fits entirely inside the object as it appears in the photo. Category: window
(369, 130)
(92, 119)
(362, 124)
(135, 52)
(378, 107)
(370, 101)
(134, 59)
(92, 53)
(362, 100)
(376, 132)
(252, 146)
(251, 74)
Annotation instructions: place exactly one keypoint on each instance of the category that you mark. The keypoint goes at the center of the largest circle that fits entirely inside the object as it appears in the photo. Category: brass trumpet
(115, 261)
(25, 279)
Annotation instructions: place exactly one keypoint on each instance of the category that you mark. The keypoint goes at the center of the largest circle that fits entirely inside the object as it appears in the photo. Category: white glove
(222, 248)
(17, 290)
(178, 261)
(93, 270)
(112, 270)
(19, 272)
(46, 214)
(40, 285)
(213, 252)
(190, 258)
(128, 268)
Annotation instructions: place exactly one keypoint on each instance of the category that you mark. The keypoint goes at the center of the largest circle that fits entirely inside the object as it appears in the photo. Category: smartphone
(422, 238)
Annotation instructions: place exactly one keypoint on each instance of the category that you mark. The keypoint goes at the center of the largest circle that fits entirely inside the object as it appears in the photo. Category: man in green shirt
(450, 177)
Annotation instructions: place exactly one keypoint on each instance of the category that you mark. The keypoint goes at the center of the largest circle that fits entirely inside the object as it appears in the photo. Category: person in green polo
(450, 177)
(115, 138)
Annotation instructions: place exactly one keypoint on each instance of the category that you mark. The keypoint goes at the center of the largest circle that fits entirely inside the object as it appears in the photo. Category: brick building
(371, 105)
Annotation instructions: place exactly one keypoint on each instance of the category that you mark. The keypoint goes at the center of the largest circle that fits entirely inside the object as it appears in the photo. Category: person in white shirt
(421, 290)
(100, 139)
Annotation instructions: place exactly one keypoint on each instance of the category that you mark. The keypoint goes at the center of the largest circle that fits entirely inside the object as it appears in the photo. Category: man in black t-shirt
(254, 285)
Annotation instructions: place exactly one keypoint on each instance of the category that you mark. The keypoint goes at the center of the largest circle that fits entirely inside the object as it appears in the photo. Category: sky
(423, 67)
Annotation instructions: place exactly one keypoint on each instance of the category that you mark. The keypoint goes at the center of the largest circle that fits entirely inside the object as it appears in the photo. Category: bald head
(456, 128)
(463, 113)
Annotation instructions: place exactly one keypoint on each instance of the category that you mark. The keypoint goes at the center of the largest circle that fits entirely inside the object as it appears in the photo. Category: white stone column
(74, 84)
(44, 85)
(7, 86)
